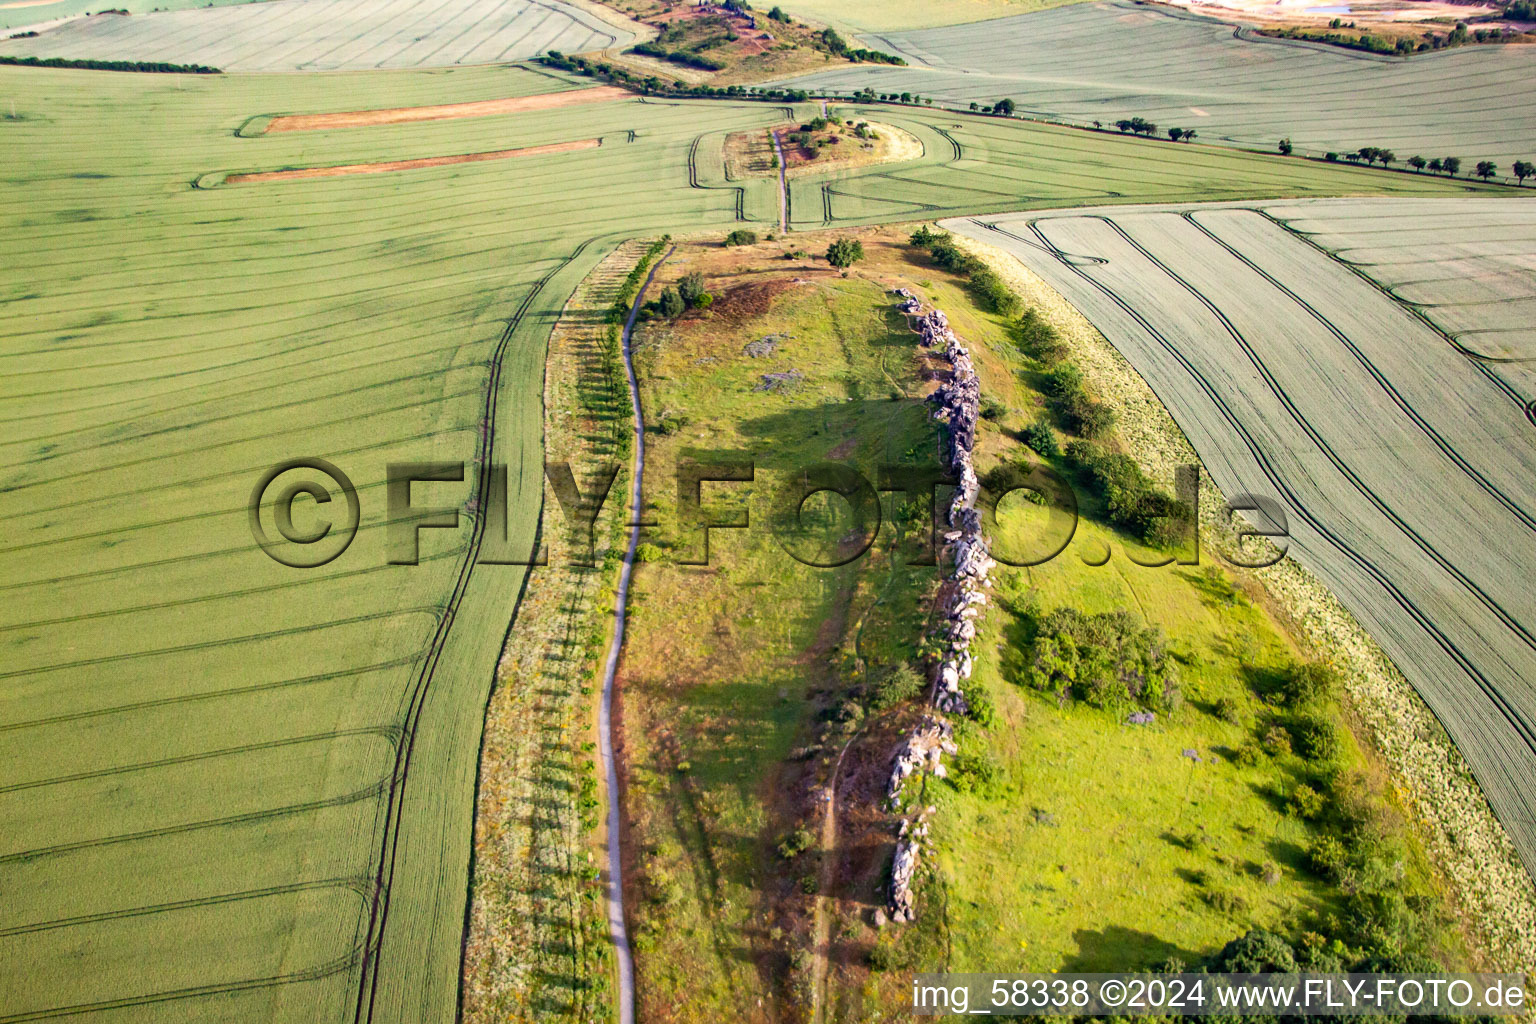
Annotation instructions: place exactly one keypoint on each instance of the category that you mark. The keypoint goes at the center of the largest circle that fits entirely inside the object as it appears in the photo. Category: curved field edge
(1485, 876)
(975, 164)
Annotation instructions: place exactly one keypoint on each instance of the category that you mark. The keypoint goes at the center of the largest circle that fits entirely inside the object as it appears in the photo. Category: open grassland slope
(985, 163)
(1107, 61)
(240, 786)
(1404, 465)
(331, 35)
(763, 698)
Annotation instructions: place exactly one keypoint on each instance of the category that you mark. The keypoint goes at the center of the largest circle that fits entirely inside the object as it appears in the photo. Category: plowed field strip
(445, 111)
(408, 165)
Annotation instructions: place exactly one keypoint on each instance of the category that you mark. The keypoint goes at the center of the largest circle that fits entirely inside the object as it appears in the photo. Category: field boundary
(265, 124)
(342, 170)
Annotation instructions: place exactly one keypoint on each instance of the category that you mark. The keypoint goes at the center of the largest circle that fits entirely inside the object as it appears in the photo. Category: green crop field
(235, 790)
(1113, 60)
(245, 786)
(294, 35)
(871, 17)
(993, 164)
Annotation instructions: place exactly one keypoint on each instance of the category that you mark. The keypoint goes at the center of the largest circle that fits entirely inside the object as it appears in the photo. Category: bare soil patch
(408, 165)
(444, 111)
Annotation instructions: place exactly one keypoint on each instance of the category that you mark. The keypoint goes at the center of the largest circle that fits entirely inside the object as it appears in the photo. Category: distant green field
(996, 164)
(247, 787)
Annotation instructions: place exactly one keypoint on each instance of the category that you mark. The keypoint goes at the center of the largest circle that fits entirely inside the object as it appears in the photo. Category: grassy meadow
(754, 687)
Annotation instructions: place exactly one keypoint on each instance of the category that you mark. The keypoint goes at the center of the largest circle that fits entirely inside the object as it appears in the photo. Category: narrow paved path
(783, 186)
(616, 925)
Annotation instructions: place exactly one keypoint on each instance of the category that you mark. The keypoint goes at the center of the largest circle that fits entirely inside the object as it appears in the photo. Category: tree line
(112, 65)
(1451, 165)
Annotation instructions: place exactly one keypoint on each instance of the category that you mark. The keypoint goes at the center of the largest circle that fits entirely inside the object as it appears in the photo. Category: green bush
(1257, 952)
(796, 842)
(974, 772)
(1327, 856)
(1277, 742)
(1315, 737)
(845, 252)
(1105, 659)
(1037, 338)
(893, 686)
(741, 236)
(671, 304)
(1229, 710)
(1308, 683)
(691, 287)
(1039, 436)
(1306, 802)
(980, 706)
(1131, 501)
(648, 553)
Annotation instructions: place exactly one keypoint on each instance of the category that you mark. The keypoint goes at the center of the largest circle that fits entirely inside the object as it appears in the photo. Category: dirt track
(408, 165)
(445, 111)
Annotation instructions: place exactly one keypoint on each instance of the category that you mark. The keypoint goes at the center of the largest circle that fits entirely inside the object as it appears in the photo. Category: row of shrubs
(652, 85)
(688, 294)
(160, 67)
(993, 292)
(687, 58)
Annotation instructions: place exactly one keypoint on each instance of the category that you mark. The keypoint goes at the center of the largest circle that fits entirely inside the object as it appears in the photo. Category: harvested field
(904, 15)
(1406, 468)
(446, 111)
(409, 165)
(332, 35)
(1107, 61)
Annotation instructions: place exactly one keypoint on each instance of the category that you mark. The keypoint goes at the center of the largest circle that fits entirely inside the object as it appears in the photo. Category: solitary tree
(672, 303)
(1524, 169)
(845, 252)
(1486, 169)
(1434, 166)
(1452, 165)
(1189, 134)
(1175, 134)
(975, 105)
(1285, 147)
(1417, 163)
(1004, 107)
(690, 288)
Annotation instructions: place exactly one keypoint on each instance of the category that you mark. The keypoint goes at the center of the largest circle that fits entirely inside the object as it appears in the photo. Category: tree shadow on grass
(1115, 948)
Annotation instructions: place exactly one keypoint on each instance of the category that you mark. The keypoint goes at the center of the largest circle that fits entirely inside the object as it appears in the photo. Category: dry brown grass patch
(445, 111)
(408, 165)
